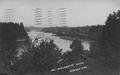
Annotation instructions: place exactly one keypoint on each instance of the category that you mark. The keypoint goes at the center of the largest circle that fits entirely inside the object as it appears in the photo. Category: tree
(111, 29)
(111, 32)
(39, 59)
(106, 52)
(76, 46)
(77, 54)
(8, 51)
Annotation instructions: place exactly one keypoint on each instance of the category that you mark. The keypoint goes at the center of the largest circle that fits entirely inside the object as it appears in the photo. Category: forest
(102, 59)
(92, 31)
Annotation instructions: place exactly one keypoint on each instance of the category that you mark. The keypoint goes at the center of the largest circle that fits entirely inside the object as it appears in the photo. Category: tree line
(9, 33)
(106, 52)
(93, 31)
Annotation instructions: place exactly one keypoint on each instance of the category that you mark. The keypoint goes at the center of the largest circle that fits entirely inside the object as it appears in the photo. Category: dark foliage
(93, 31)
(77, 54)
(10, 33)
(39, 59)
(106, 52)
(112, 28)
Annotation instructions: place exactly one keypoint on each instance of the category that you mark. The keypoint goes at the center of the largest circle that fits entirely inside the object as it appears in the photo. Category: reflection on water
(61, 43)
(86, 45)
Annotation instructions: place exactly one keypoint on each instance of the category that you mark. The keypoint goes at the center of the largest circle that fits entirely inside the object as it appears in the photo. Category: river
(61, 43)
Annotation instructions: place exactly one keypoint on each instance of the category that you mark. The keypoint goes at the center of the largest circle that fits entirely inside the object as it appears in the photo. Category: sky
(78, 12)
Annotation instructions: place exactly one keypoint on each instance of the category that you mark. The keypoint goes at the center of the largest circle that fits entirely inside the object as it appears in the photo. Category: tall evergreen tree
(106, 52)
(111, 29)
(8, 43)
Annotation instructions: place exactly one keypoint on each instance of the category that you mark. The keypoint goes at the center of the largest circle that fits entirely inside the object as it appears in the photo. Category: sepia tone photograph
(59, 37)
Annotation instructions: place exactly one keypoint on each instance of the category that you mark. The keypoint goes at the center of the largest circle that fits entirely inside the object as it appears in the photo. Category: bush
(39, 59)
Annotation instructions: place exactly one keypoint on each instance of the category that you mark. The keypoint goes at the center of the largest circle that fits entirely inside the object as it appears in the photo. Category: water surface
(61, 43)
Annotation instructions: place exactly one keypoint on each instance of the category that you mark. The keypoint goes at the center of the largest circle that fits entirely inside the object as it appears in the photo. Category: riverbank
(67, 37)
(72, 38)
(63, 44)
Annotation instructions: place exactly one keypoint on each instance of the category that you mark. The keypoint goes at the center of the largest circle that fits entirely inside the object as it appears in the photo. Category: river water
(61, 43)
